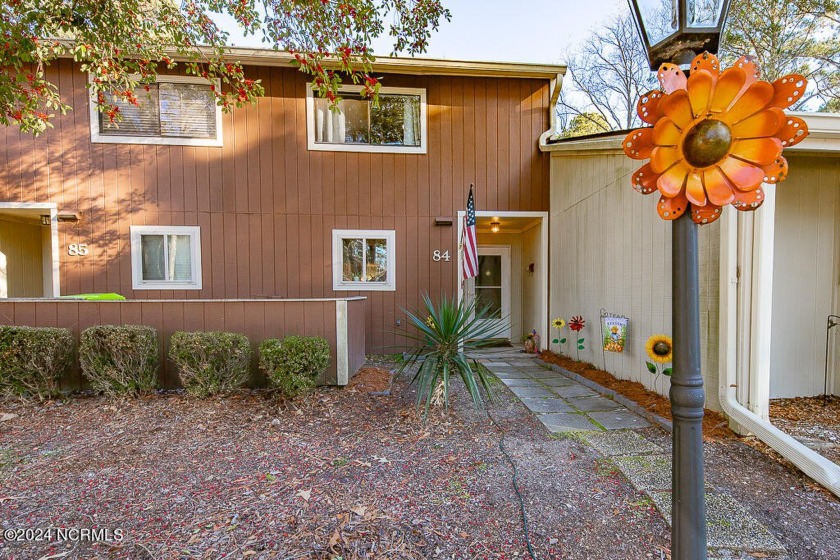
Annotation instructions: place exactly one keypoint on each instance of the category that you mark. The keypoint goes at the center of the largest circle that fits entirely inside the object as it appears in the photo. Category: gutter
(555, 85)
(810, 462)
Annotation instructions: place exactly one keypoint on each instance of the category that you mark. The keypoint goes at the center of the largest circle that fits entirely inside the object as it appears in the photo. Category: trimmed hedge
(294, 364)
(119, 359)
(210, 362)
(33, 359)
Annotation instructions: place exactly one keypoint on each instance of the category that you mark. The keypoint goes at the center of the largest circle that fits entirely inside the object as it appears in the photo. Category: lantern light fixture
(677, 30)
(495, 227)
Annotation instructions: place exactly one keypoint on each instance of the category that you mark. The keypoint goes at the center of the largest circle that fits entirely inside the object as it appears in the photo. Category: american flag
(470, 243)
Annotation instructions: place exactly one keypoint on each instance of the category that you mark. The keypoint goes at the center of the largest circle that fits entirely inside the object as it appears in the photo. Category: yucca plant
(445, 335)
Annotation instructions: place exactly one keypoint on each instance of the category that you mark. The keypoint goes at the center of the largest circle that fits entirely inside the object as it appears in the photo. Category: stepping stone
(621, 442)
(619, 419)
(575, 390)
(558, 382)
(496, 364)
(594, 404)
(542, 374)
(547, 405)
(562, 422)
(647, 472)
(510, 374)
(532, 392)
(516, 382)
(729, 525)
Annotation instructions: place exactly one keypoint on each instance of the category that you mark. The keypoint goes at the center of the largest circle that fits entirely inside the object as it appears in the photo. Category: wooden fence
(341, 321)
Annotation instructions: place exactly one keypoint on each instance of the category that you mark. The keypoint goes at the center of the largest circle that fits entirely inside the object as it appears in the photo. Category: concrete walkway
(565, 406)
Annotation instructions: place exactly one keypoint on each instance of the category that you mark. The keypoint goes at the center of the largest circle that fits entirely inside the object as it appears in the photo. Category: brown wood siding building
(266, 205)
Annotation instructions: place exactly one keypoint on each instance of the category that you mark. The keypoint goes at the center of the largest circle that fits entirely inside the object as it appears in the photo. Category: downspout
(811, 463)
(555, 85)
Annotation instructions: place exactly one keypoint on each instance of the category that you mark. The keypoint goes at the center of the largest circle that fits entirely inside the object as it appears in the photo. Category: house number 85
(438, 256)
(77, 249)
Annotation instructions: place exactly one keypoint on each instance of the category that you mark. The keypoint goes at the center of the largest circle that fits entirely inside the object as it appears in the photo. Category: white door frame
(542, 266)
(52, 280)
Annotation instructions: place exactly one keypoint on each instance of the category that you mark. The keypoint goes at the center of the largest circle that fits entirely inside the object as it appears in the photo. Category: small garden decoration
(532, 342)
(444, 333)
(716, 137)
(660, 349)
(558, 324)
(576, 323)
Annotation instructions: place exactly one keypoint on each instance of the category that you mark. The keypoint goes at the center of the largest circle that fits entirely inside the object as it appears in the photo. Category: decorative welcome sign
(614, 331)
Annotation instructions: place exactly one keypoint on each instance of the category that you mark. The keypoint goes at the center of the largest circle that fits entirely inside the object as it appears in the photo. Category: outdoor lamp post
(675, 31)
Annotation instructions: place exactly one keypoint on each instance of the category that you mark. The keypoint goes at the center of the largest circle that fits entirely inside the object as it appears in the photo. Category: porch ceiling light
(45, 219)
(495, 227)
(676, 30)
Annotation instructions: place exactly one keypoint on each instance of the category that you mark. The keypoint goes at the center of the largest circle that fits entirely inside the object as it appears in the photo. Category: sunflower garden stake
(558, 324)
(660, 350)
(576, 324)
(716, 137)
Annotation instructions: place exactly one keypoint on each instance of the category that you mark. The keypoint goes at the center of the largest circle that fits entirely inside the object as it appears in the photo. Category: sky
(541, 31)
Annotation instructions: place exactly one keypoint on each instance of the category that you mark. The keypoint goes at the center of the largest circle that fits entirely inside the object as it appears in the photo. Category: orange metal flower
(716, 137)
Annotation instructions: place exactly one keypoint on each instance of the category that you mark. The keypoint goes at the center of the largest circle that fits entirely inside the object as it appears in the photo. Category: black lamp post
(676, 31)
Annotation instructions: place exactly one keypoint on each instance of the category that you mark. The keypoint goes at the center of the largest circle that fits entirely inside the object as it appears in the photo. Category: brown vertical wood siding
(258, 319)
(267, 206)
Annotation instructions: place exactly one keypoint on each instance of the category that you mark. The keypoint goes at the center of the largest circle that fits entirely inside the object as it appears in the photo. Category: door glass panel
(377, 260)
(491, 297)
(489, 270)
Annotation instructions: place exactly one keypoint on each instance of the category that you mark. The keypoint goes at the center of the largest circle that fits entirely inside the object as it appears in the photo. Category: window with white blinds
(166, 257)
(396, 123)
(181, 112)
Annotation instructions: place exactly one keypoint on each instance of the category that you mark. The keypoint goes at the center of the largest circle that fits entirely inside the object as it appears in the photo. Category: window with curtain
(165, 257)
(170, 112)
(396, 123)
(364, 260)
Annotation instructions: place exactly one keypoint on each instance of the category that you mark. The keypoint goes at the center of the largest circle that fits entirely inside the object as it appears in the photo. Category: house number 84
(438, 256)
(77, 249)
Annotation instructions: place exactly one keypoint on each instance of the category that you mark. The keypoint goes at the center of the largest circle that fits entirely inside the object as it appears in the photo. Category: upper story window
(397, 125)
(165, 258)
(176, 110)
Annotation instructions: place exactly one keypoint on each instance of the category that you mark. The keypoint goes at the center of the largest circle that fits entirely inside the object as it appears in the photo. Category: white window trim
(366, 148)
(137, 281)
(97, 138)
(339, 284)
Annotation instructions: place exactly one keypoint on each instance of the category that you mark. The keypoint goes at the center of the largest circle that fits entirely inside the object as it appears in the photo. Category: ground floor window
(165, 258)
(364, 260)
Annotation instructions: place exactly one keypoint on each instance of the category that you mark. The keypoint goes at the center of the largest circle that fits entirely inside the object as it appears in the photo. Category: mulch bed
(715, 425)
(338, 474)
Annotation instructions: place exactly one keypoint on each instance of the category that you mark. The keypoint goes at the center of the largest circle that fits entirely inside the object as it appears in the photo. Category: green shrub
(119, 359)
(294, 364)
(33, 359)
(210, 362)
(445, 334)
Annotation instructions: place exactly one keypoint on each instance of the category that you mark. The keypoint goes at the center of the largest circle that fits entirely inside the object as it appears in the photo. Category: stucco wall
(609, 249)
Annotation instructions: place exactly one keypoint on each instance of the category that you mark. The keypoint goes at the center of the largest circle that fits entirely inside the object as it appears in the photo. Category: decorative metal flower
(577, 323)
(660, 348)
(716, 137)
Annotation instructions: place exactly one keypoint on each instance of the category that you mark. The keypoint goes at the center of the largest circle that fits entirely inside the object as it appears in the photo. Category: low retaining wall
(341, 321)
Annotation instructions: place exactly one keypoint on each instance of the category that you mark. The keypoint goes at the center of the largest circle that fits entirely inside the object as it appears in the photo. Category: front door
(491, 287)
